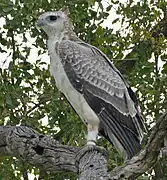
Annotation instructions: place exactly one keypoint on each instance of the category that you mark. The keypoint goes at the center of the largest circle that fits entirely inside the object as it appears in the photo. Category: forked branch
(46, 153)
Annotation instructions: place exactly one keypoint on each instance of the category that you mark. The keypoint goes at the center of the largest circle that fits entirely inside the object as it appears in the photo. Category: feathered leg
(92, 134)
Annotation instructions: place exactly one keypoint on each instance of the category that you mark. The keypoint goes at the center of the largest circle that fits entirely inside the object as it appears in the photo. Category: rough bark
(92, 164)
(38, 150)
(44, 152)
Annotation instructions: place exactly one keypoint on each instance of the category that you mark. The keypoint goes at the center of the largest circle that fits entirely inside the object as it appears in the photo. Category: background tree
(28, 95)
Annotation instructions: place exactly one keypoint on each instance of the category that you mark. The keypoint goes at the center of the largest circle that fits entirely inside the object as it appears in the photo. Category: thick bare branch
(38, 150)
(92, 163)
(46, 153)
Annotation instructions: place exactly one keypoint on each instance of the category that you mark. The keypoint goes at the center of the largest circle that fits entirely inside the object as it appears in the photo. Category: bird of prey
(92, 85)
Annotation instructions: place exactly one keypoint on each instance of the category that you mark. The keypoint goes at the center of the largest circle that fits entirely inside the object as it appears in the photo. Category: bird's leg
(92, 134)
(91, 144)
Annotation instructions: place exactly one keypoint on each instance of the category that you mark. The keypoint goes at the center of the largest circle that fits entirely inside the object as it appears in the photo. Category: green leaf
(109, 7)
(91, 2)
(115, 20)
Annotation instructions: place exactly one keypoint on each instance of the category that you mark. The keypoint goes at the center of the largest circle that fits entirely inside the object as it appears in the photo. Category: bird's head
(54, 22)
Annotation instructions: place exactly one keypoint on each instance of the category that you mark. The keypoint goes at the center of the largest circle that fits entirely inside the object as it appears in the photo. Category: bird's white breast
(63, 84)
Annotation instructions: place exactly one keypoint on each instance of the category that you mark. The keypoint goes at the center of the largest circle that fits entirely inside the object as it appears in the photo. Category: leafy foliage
(28, 93)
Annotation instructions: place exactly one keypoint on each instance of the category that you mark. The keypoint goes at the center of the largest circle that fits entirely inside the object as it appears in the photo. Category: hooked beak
(40, 22)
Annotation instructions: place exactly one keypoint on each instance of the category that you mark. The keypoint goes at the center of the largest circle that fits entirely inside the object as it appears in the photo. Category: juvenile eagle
(93, 86)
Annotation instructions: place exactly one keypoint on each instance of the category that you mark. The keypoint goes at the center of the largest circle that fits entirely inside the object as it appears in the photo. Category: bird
(93, 86)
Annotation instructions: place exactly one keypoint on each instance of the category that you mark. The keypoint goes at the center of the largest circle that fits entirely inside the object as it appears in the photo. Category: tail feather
(122, 138)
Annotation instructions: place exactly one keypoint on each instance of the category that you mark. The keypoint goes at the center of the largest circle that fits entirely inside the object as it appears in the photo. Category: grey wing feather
(93, 69)
(105, 90)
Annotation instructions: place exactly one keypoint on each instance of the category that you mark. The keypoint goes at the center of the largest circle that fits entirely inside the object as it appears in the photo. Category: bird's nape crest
(65, 10)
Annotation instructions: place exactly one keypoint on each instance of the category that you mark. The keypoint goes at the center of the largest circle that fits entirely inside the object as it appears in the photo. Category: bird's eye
(53, 18)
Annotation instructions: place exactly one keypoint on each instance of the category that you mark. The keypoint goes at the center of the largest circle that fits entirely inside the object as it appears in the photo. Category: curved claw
(87, 149)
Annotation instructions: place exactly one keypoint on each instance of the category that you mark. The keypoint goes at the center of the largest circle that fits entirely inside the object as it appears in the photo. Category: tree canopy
(28, 95)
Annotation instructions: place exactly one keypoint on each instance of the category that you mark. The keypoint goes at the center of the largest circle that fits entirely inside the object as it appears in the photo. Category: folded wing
(106, 92)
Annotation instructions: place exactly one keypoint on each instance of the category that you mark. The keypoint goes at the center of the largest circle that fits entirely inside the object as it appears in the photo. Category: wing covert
(92, 69)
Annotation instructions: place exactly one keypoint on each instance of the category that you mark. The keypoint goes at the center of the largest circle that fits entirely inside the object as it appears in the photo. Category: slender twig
(13, 46)
(156, 65)
(33, 108)
(14, 53)
(132, 59)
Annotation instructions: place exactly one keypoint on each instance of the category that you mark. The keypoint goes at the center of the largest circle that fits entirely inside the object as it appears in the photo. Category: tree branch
(46, 153)
(148, 157)
(36, 149)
